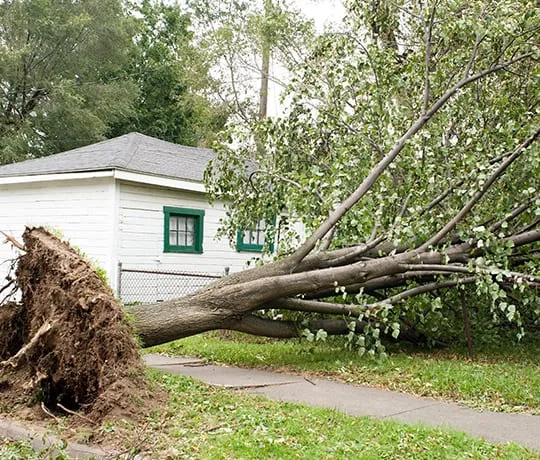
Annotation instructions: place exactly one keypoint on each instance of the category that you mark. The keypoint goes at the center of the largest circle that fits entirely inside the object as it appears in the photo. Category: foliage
(172, 78)
(73, 73)
(233, 36)
(356, 93)
(59, 79)
(502, 378)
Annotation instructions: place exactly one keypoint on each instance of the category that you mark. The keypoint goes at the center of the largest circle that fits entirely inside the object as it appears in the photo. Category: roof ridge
(172, 144)
(123, 158)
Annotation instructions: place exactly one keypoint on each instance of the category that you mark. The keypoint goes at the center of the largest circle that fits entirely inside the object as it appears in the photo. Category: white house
(133, 202)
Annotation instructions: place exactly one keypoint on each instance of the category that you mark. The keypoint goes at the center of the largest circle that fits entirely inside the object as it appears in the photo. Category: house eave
(32, 178)
(118, 174)
(160, 181)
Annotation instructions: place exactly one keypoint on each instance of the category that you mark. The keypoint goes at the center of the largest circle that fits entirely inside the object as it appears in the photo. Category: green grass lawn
(211, 423)
(204, 422)
(502, 379)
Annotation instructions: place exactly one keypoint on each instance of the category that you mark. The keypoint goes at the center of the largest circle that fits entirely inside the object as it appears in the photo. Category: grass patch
(502, 379)
(22, 450)
(211, 423)
(204, 422)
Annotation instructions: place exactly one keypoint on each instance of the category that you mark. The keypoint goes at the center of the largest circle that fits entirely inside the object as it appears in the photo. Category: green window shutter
(183, 230)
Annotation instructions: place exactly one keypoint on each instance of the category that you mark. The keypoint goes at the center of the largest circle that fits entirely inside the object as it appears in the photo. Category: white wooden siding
(82, 210)
(141, 227)
(118, 221)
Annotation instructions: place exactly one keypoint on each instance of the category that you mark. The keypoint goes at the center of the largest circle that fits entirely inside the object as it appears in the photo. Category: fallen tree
(449, 206)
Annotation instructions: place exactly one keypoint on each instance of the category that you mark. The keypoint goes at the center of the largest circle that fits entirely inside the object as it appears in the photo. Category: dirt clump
(67, 346)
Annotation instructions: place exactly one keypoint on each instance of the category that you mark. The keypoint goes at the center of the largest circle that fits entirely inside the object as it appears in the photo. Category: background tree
(73, 73)
(173, 78)
(59, 80)
(248, 45)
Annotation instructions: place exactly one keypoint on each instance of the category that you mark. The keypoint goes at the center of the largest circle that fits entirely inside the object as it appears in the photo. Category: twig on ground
(72, 412)
(247, 387)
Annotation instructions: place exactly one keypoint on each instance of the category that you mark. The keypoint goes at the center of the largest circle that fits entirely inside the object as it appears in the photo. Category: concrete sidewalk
(355, 400)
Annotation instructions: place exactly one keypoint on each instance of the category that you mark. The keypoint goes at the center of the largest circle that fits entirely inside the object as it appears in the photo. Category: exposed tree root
(67, 345)
(42, 331)
(13, 241)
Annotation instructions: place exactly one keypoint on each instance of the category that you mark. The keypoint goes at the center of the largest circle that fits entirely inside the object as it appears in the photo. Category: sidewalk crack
(408, 410)
(244, 387)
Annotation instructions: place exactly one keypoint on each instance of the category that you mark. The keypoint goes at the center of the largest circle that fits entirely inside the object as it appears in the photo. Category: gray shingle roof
(132, 152)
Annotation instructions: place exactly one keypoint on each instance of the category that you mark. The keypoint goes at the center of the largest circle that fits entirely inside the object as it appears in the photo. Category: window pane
(181, 223)
(183, 230)
(181, 238)
(253, 238)
(260, 237)
(247, 237)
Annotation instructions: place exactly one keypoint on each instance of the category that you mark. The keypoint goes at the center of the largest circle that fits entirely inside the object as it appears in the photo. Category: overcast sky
(321, 11)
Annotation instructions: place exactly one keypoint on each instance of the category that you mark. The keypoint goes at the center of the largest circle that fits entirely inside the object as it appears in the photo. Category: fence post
(119, 281)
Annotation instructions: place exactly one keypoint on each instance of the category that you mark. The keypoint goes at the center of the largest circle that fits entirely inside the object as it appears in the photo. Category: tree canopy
(172, 77)
(73, 73)
(59, 64)
(246, 42)
(425, 114)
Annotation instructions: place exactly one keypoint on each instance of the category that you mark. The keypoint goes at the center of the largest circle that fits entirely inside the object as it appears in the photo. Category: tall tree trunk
(265, 68)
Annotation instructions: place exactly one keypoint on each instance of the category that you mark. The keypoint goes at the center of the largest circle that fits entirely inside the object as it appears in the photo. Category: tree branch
(427, 63)
(470, 175)
(383, 164)
(436, 268)
(515, 213)
(479, 39)
(314, 306)
(525, 238)
(479, 193)
(327, 240)
(423, 289)
(255, 325)
(532, 225)
(288, 181)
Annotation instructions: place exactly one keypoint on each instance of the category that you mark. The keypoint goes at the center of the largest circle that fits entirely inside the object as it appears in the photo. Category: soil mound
(67, 344)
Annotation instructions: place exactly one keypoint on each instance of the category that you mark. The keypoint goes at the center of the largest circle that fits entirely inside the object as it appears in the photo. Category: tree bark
(231, 302)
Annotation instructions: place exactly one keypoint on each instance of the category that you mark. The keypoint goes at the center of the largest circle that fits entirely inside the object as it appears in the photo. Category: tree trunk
(231, 302)
(166, 321)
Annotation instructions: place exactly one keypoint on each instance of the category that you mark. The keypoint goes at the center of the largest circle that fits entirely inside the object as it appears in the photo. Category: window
(183, 230)
(252, 239)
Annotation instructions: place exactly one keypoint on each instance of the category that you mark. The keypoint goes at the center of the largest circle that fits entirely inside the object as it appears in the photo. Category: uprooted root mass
(67, 341)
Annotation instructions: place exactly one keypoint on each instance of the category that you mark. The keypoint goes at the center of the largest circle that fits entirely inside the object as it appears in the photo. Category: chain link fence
(148, 286)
